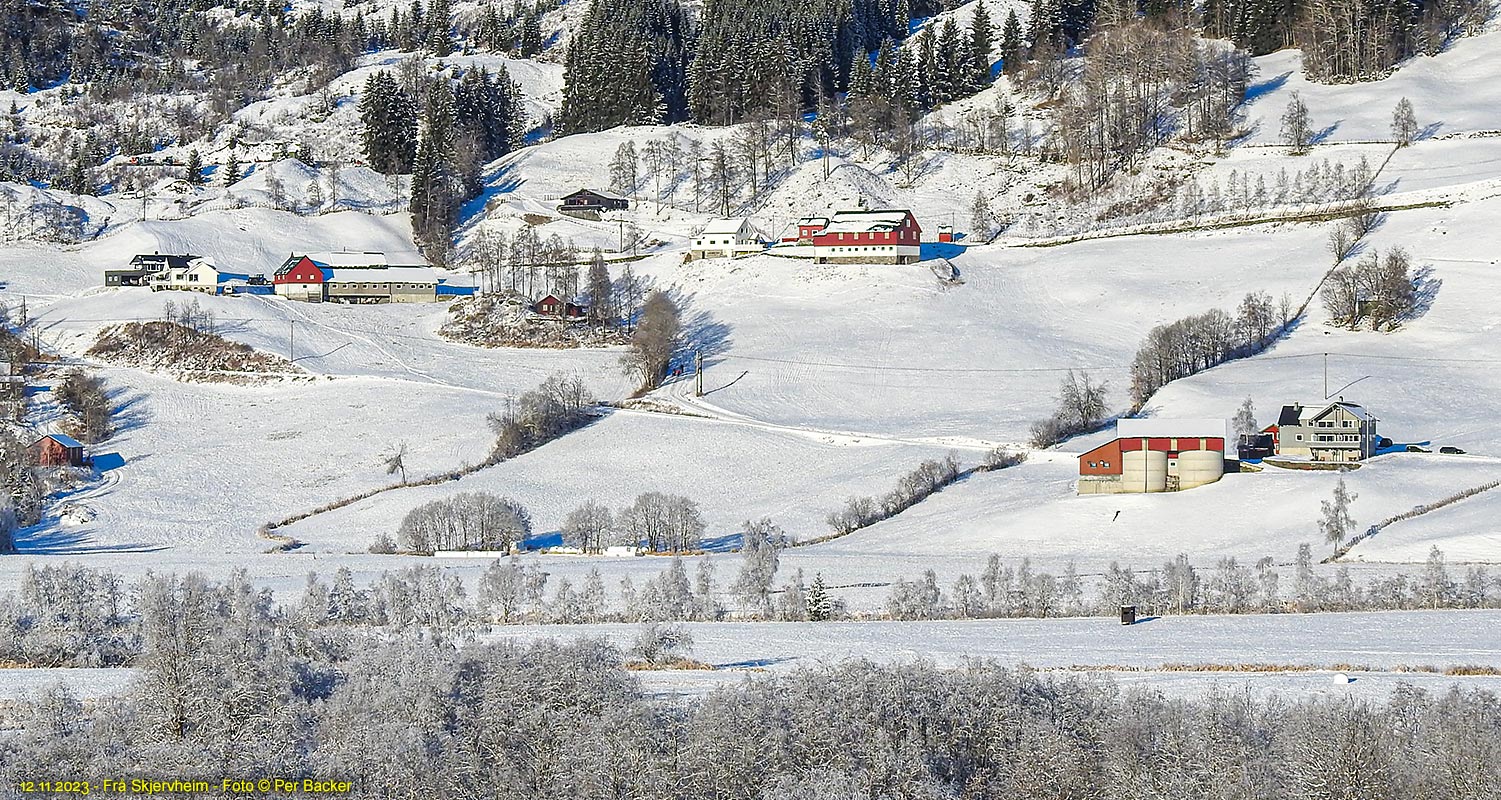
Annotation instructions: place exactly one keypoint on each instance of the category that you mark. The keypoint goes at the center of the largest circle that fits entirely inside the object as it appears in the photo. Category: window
(1091, 465)
(1105, 464)
(1300, 437)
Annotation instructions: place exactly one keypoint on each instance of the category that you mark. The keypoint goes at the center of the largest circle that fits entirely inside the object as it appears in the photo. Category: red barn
(869, 237)
(57, 450)
(300, 279)
(1156, 455)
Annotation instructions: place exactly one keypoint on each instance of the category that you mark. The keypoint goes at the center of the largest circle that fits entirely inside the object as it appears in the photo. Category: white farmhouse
(727, 238)
(194, 275)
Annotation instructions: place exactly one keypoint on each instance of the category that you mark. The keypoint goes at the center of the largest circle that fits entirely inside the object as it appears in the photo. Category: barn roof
(381, 275)
(866, 221)
(367, 259)
(1173, 428)
(63, 439)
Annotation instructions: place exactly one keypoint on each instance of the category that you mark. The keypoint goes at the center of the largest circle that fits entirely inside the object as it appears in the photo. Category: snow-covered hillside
(822, 382)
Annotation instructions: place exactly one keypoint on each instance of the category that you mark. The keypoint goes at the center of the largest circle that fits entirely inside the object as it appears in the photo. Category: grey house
(1338, 432)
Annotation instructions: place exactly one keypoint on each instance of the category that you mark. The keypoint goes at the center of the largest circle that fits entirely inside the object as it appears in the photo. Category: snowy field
(1361, 654)
(1374, 648)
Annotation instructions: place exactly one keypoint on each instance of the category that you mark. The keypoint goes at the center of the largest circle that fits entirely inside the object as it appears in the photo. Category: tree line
(1178, 587)
(230, 683)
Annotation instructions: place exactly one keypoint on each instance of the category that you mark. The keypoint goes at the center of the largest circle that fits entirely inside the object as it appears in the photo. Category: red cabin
(57, 450)
(553, 306)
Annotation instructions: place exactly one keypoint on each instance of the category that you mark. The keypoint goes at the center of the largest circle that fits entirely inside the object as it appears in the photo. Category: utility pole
(1326, 376)
(292, 341)
(698, 373)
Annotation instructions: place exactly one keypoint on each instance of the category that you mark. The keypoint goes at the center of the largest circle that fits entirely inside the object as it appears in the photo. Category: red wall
(1112, 451)
(304, 271)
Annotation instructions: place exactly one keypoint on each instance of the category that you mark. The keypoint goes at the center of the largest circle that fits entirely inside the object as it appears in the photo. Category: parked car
(1412, 448)
(1383, 443)
(1449, 450)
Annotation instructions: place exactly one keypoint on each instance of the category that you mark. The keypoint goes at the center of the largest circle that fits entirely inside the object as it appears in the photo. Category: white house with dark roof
(196, 274)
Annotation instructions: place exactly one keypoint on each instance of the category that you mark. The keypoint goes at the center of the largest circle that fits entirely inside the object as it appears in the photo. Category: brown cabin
(553, 306)
(57, 450)
(594, 200)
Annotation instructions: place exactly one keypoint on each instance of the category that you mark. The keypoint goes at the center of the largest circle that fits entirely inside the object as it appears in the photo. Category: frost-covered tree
(1335, 522)
(465, 521)
(759, 542)
(194, 168)
(1297, 133)
(1245, 418)
(663, 523)
(1404, 123)
(388, 124)
(589, 527)
(599, 291)
(625, 170)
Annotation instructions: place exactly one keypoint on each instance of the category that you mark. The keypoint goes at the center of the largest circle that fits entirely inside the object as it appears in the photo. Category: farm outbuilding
(57, 450)
(1156, 455)
(354, 278)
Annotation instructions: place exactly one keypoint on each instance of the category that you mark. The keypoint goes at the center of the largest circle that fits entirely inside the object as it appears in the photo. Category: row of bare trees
(1196, 343)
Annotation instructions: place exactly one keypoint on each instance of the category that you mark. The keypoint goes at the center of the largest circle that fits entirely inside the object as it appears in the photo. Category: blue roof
(65, 441)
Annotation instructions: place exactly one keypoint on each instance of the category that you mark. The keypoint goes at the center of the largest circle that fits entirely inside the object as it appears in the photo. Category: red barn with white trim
(891, 236)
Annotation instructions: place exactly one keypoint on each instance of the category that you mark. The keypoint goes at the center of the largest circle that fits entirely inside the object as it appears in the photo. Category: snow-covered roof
(64, 440)
(1300, 414)
(721, 227)
(348, 259)
(602, 193)
(865, 221)
(1355, 410)
(381, 275)
(1173, 428)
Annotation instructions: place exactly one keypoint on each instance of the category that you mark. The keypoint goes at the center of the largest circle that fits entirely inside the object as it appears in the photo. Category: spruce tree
(1011, 43)
(194, 167)
(232, 170)
(435, 199)
(820, 604)
(981, 42)
(529, 39)
(76, 179)
(388, 125)
(438, 39)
